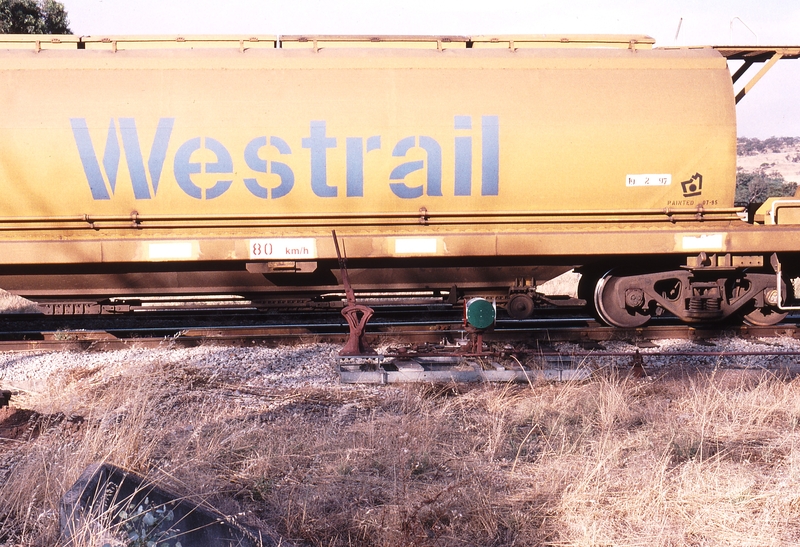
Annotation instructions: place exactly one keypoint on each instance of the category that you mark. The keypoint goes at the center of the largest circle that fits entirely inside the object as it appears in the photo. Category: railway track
(421, 344)
(441, 317)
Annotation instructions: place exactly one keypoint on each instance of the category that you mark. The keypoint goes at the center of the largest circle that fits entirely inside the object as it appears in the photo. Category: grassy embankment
(695, 457)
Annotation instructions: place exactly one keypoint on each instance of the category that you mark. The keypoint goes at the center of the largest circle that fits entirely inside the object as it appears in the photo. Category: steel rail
(418, 331)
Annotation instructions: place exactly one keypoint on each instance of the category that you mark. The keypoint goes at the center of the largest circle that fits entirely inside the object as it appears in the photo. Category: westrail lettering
(101, 172)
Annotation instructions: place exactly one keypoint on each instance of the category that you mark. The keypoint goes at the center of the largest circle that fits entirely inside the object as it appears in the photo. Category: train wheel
(586, 286)
(619, 304)
(767, 315)
(520, 306)
(764, 317)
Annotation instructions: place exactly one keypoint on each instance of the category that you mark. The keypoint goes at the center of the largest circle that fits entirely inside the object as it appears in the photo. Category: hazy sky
(773, 107)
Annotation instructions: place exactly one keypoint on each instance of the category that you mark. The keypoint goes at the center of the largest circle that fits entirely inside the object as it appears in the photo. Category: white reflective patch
(282, 248)
(414, 245)
(703, 242)
(648, 180)
(173, 250)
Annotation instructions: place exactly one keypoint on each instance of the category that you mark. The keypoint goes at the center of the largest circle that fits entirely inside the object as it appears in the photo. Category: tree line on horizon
(746, 146)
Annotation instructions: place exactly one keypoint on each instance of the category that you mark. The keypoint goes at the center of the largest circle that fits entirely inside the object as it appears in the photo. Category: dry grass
(694, 458)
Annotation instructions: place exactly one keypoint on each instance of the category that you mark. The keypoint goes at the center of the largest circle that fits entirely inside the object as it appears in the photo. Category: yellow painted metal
(760, 74)
(477, 148)
(750, 55)
(757, 54)
(540, 245)
(778, 211)
(563, 40)
(117, 43)
(38, 42)
(746, 261)
(106, 42)
(373, 42)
